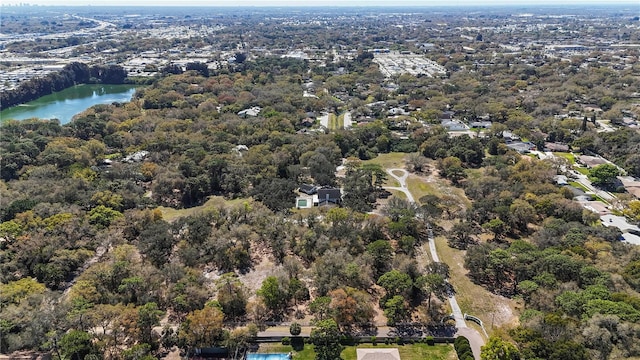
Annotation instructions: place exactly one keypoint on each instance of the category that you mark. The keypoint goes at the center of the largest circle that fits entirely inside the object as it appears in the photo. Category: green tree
(76, 345)
(451, 168)
(231, 296)
(320, 307)
(103, 216)
(148, 317)
(497, 227)
(395, 283)
(275, 297)
(396, 310)
(325, 337)
(498, 349)
(382, 253)
(435, 284)
(604, 174)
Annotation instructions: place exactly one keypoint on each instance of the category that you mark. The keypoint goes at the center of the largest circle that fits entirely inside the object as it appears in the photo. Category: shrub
(297, 343)
(373, 340)
(430, 341)
(295, 329)
(286, 340)
(463, 348)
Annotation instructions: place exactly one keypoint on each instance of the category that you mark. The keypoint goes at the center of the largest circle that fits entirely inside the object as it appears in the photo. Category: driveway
(475, 339)
(403, 183)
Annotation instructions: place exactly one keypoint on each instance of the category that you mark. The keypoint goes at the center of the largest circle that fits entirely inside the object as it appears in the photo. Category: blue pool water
(279, 356)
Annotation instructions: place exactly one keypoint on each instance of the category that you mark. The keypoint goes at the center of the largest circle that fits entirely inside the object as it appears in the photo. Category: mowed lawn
(392, 160)
(407, 352)
(569, 156)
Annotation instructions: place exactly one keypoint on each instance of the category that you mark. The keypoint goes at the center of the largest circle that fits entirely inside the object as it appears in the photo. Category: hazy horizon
(323, 3)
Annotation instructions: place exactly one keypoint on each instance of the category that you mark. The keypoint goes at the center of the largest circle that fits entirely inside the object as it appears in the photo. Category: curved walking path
(475, 339)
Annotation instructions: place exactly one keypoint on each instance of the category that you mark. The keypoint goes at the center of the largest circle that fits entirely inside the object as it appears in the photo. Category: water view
(65, 104)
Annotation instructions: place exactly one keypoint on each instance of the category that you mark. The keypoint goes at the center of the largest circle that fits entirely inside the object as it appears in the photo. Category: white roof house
(378, 354)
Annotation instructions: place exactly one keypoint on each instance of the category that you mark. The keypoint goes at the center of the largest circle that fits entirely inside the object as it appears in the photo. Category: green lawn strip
(171, 214)
(341, 121)
(333, 122)
(582, 170)
(576, 184)
(407, 352)
(569, 156)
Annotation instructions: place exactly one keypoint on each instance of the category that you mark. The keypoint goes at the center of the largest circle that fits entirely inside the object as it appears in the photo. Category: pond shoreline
(65, 104)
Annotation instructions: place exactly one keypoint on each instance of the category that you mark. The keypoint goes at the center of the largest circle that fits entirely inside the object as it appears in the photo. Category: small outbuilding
(378, 354)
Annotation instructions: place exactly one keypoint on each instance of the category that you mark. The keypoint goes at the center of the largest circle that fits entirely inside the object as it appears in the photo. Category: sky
(395, 3)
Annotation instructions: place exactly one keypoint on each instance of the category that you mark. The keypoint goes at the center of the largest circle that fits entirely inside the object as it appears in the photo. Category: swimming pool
(277, 356)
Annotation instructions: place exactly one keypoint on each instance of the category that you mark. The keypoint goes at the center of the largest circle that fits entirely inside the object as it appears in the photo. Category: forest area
(90, 268)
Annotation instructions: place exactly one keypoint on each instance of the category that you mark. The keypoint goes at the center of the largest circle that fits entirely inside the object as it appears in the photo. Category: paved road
(475, 339)
(283, 330)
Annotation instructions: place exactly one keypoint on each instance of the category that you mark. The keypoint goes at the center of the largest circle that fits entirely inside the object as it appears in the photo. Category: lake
(65, 104)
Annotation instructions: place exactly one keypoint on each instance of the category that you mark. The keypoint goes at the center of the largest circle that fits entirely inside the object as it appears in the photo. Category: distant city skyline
(320, 3)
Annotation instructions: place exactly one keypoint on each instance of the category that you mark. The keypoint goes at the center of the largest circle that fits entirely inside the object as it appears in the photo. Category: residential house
(377, 354)
(329, 196)
(591, 161)
(481, 124)
(631, 185)
(136, 156)
(556, 147)
(591, 108)
(521, 147)
(253, 111)
(454, 125)
(508, 136)
(308, 189)
(397, 111)
(561, 180)
(447, 115)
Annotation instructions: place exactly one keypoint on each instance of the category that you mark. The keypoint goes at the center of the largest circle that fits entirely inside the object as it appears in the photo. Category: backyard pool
(277, 356)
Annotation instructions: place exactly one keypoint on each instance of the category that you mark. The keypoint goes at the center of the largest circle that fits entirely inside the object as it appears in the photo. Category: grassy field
(388, 161)
(474, 299)
(407, 352)
(569, 156)
(419, 188)
(171, 214)
(398, 194)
